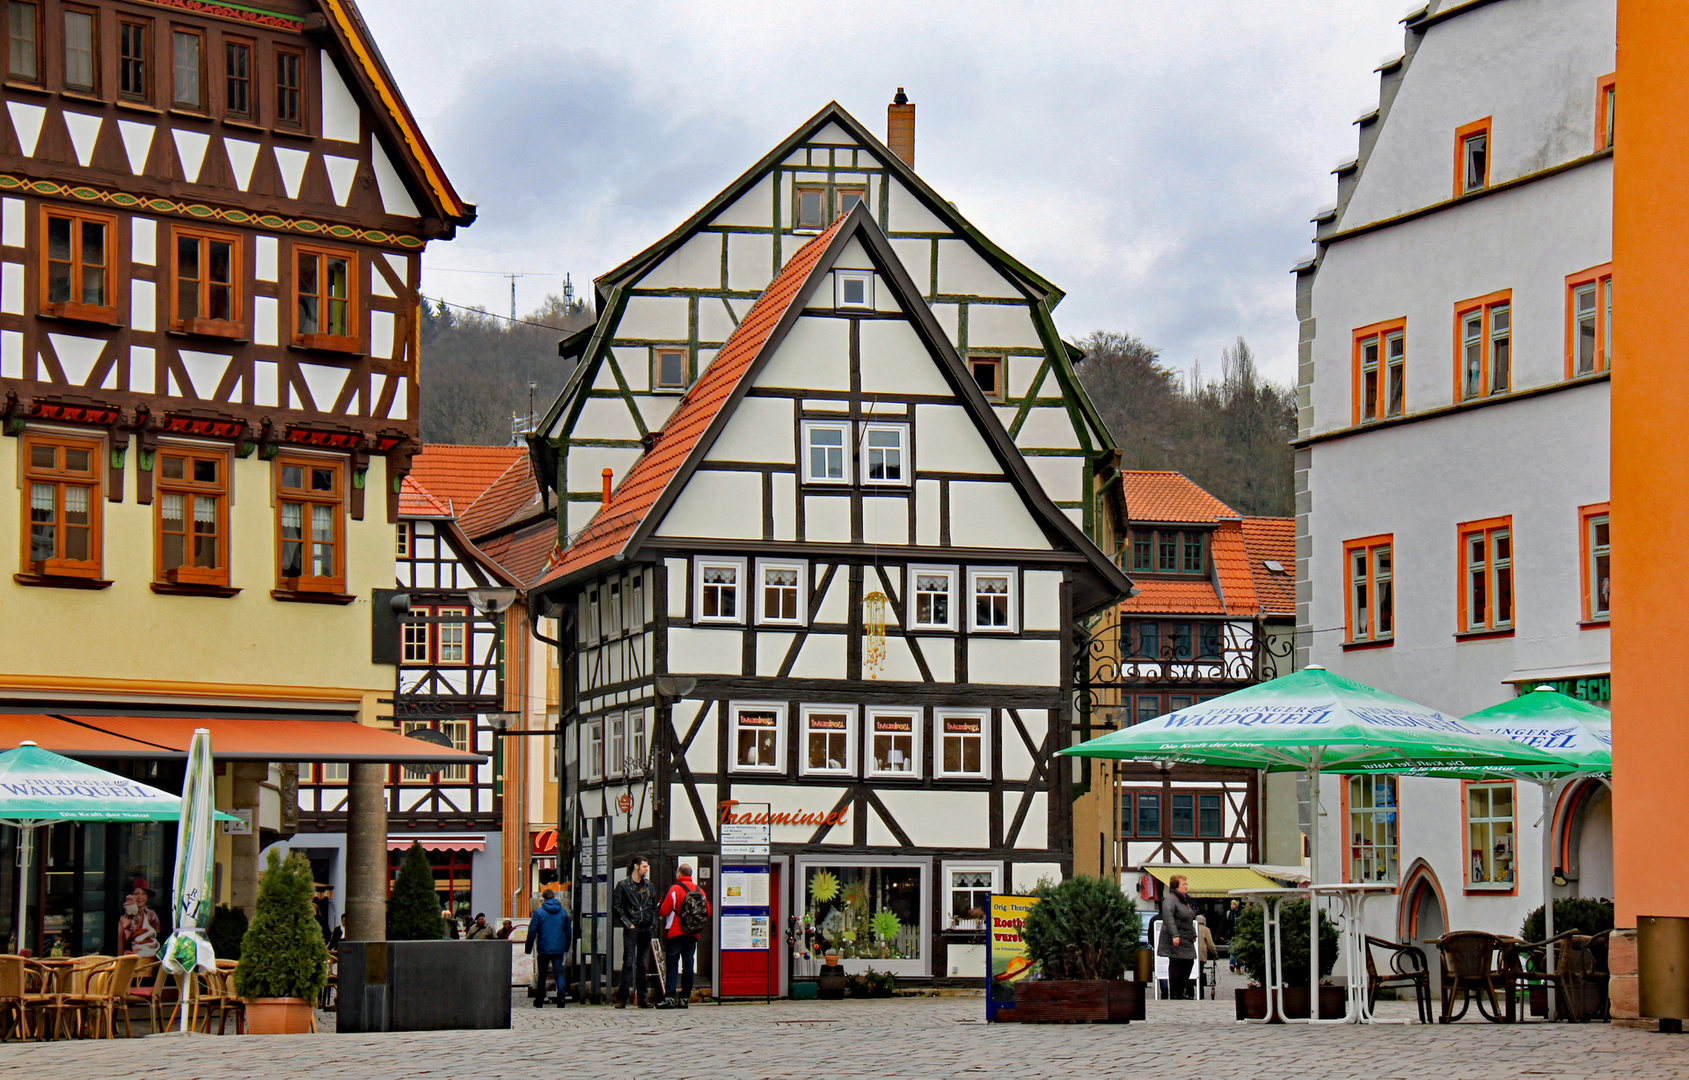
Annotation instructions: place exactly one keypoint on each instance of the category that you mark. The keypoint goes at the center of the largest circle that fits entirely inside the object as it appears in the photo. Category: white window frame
(938, 719)
(950, 575)
(592, 759)
(914, 716)
(734, 710)
(947, 868)
(904, 463)
(977, 572)
(615, 730)
(802, 568)
(851, 740)
(417, 635)
(842, 428)
(866, 277)
(699, 565)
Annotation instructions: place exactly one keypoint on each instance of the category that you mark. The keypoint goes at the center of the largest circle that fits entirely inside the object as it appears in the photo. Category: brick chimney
(900, 127)
(607, 487)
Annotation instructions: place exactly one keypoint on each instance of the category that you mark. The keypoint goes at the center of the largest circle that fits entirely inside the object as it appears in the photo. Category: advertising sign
(1009, 961)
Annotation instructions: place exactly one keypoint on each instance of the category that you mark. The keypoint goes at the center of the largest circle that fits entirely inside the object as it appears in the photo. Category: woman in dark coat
(1178, 936)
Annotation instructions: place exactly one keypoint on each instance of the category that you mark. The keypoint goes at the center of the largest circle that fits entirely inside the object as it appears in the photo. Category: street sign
(745, 839)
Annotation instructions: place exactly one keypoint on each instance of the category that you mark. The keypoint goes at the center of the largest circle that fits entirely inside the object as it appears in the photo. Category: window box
(78, 278)
(195, 575)
(757, 738)
(993, 600)
(894, 744)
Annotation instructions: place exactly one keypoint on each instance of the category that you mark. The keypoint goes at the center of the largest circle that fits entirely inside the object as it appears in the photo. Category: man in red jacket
(682, 921)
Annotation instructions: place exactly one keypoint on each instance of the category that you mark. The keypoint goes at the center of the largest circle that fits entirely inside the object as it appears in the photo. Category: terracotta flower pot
(278, 1016)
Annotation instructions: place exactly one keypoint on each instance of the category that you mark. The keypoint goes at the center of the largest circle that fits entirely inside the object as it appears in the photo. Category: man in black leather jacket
(633, 907)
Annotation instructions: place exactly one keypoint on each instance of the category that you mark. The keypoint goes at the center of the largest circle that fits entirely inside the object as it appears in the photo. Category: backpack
(694, 912)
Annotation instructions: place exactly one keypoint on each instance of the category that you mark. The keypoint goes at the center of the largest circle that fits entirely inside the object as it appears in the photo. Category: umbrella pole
(1548, 886)
(1314, 879)
(24, 837)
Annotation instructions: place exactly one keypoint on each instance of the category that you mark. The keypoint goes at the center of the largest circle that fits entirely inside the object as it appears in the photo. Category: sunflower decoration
(887, 925)
(823, 887)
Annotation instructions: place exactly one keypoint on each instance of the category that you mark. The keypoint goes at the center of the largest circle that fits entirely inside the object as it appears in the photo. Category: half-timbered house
(831, 590)
(211, 223)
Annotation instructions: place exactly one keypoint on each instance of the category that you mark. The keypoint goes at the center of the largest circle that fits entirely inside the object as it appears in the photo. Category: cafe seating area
(98, 997)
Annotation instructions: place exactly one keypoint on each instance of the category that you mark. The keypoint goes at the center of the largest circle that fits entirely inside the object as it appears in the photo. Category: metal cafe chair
(1407, 968)
(1469, 966)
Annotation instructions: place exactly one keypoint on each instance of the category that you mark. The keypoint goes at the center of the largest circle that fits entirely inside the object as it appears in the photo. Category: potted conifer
(413, 907)
(1081, 936)
(284, 960)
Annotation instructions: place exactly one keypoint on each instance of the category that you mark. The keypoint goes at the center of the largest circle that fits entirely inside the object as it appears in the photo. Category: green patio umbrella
(39, 787)
(1313, 721)
(192, 894)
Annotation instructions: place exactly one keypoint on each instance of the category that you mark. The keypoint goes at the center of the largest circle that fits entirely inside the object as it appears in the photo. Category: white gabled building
(1452, 463)
(863, 605)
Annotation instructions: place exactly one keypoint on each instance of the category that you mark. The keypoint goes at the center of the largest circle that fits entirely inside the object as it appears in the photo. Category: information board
(1009, 961)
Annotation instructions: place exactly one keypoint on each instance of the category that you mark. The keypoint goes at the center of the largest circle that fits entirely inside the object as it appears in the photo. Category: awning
(231, 739)
(436, 843)
(1212, 880)
(1555, 674)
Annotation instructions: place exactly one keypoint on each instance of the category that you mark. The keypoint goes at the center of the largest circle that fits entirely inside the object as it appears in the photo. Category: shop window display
(864, 912)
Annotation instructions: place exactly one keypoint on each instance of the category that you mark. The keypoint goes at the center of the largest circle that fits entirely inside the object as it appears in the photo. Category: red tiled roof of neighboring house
(524, 553)
(1231, 565)
(1198, 596)
(415, 502)
(507, 496)
(617, 520)
(1193, 597)
(1155, 496)
(1272, 539)
(458, 475)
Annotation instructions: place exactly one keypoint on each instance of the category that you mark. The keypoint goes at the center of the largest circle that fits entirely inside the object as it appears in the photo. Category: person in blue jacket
(549, 935)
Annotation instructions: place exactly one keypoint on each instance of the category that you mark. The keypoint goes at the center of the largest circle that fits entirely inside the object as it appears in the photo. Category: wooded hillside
(1230, 435)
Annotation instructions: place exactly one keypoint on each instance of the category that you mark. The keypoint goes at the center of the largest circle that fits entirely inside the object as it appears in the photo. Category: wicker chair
(1527, 962)
(104, 990)
(14, 998)
(1584, 971)
(217, 994)
(140, 991)
(1468, 961)
(1407, 968)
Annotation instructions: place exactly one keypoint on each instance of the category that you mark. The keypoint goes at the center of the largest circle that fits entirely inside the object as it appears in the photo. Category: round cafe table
(1352, 897)
(1272, 946)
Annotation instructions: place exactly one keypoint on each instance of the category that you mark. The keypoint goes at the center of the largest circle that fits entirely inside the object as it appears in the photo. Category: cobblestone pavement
(906, 1037)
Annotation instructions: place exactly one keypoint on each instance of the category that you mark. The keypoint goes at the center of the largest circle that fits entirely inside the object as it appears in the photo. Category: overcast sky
(1157, 159)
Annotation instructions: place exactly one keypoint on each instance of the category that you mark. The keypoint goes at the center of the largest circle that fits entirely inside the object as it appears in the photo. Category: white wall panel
(755, 207)
(826, 519)
(1000, 325)
(1035, 829)
(1048, 429)
(785, 506)
(654, 318)
(771, 651)
(705, 652)
(1062, 478)
(822, 657)
(586, 466)
(992, 515)
(695, 265)
(1041, 599)
(750, 261)
(814, 356)
(885, 521)
(916, 257)
(717, 504)
(927, 519)
(606, 418)
(714, 324)
(677, 585)
(947, 440)
(895, 361)
(909, 215)
(1010, 662)
(837, 600)
(760, 429)
(958, 819)
(961, 272)
(940, 655)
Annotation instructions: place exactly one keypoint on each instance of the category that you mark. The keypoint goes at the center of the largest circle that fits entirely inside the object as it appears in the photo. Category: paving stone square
(902, 1037)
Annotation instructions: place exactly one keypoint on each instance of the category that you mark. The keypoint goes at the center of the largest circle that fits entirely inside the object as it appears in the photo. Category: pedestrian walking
(450, 924)
(1233, 913)
(1206, 954)
(633, 907)
(549, 935)
(480, 931)
(1178, 936)
(684, 913)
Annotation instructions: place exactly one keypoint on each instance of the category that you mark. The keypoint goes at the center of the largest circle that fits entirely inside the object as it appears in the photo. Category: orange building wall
(1650, 511)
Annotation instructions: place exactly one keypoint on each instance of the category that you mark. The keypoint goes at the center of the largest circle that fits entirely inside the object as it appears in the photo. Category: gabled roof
(1161, 497)
(1272, 539)
(458, 475)
(525, 551)
(417, 503)
(505, 501)
(640, 501)
(610, 530)
(369, 71)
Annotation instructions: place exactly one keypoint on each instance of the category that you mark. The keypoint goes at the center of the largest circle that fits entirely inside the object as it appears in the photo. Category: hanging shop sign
(1588, 688)
(1010, 963)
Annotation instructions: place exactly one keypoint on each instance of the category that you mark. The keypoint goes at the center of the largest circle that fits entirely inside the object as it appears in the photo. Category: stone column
(246, 778)
(366, 852)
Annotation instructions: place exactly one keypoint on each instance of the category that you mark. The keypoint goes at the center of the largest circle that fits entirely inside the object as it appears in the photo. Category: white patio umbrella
(1314, 721)
(192, 894)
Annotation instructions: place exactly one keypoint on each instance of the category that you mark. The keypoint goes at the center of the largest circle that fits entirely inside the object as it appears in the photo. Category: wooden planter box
(1105, 1001)
(1252, 1002)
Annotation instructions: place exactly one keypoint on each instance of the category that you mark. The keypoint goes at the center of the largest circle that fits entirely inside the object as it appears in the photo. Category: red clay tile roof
(1194, 597)
(1170, 497)
(513, 492)
(457, 475)
(644, 484)
(415, 502)
(523, 553)
(1231, 563)
(1272, 539)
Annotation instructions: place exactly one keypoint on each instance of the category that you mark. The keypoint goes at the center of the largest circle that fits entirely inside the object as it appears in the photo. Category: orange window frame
(1378, 334)
(1000, 368)
(199, 323)
(307, 498)
(191, 490)
(820, 193)
(1351, 849)
(236, 83)
(1461, 135)
(1601, 277)
(321, 339)
(1606, 110)
(1487, 527)
(1370, 545)
(1466, 885)
(74, 308)
(59, 476)
(1590, 618)
(1487, 305)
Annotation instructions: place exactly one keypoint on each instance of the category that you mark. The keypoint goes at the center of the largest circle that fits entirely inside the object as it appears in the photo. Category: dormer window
(853, 291)
(1169, 551)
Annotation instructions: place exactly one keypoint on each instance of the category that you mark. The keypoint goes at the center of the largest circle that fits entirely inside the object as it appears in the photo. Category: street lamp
(491, 601)
(500, 722)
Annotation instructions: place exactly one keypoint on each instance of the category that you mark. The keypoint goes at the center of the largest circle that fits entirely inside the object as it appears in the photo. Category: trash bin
(1662, 961)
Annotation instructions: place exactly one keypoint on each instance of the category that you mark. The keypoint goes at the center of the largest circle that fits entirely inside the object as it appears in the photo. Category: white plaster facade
(1402, 245)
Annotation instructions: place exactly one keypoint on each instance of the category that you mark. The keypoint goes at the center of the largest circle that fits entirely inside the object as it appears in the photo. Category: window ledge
(57, 581)
(1498, 889)
(244, 123)
(291, 597)
(138, 106)
(81, 313)
(1480, 635)
(220, 329)
(1382, 643)
(192, 114)
(28, 87)
(343, 346)
(171, 588)
(1596, 624)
